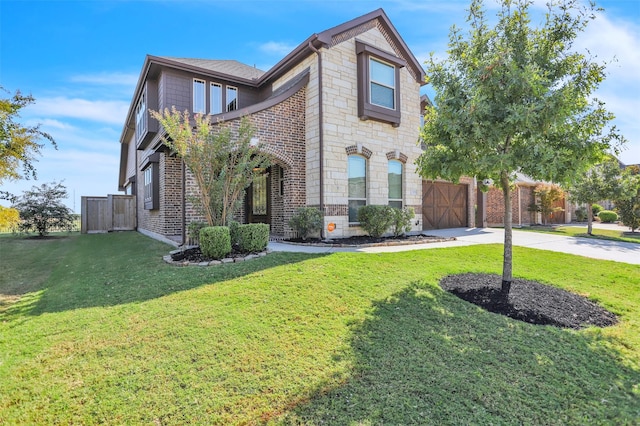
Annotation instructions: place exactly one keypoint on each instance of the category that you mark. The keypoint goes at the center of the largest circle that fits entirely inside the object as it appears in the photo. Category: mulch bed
(362, 240)
(529, 301)
(194, 254)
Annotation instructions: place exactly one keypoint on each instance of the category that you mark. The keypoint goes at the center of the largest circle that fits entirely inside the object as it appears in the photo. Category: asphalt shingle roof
(229, 67)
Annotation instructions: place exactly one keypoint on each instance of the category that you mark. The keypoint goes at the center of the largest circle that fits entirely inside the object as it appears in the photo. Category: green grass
(97, 329)
(581, 231)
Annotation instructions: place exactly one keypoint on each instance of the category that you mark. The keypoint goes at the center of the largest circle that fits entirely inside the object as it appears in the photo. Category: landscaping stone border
(226, 260)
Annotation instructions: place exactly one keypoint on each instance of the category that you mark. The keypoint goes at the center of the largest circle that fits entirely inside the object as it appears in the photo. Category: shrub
(215, 241)
(596, 209)
(401, 221)
(375, 220)
(193, 231)
(253, 237)
(607, 216)
(629, 210)
(581, 214)
(233, 231)
(306, 221)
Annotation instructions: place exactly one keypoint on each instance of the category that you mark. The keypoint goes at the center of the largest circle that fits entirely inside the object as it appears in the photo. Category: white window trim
(371, 80)
(204, 96)
(141, 111)
(211, 99)
(228, 88)
(366, 184)
(401, 200)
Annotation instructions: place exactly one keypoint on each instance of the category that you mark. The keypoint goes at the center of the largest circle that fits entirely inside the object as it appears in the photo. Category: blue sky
(81, 60)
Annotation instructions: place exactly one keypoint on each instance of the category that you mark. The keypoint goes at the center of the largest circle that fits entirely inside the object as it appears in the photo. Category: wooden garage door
(444, 205)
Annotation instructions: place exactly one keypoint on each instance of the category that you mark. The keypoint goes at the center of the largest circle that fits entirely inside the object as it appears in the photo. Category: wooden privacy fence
(110, 213)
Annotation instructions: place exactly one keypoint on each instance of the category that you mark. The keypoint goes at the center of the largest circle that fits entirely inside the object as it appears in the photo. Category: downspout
(519, 206)
(184, 204)
(320, 133)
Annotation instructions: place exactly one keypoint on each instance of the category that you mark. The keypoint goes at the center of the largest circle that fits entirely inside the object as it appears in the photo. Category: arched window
(357, 185)
(395, 183)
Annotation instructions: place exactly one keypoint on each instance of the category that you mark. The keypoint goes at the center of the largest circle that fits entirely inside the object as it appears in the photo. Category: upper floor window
(198, 96)
(382, 81)
(151, 182)
(216, 99)
(378, 84)
(141, 115)
(395, 183)
(232, 98)
(357, 172)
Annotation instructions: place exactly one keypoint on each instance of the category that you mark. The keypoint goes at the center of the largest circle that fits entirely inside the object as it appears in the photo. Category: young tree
(41, 209)
(547, 194)
(515, 98)
(222, 164)
(18, 144)
(598, 183)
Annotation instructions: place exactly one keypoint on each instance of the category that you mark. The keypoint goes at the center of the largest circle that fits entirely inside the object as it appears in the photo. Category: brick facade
(521, 198)
(292, 128)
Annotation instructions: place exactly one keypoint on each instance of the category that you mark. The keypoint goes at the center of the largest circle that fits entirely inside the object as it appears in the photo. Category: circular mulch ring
(529, 301)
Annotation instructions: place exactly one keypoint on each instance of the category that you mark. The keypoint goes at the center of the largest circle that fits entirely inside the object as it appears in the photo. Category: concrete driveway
(588, 247)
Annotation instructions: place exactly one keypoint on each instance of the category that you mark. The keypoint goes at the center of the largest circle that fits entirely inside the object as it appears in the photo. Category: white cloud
(49, 123)
(107, 79)
(277, 48)
(614, 38)
(112, 112)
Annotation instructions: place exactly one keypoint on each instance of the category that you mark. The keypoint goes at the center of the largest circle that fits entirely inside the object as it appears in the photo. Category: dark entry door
(258, 197)
(444, 205)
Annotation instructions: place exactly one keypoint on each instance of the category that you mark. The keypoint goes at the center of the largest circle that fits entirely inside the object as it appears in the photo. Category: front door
(258, 197)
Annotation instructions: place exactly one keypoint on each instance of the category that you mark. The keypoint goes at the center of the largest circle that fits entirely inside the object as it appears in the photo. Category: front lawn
(97, 329)
(581, 231)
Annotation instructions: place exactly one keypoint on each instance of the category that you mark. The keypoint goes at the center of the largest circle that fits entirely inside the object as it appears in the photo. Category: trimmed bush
(375, 220)
(306, 221)
(607, 216)
(215, 241)
(401, 221)
(596, 209)
(581, 214)
(253, 237)
(233, 231)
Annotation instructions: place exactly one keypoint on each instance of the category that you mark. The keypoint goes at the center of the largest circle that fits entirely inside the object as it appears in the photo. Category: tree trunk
(507, 262)
(589, 219)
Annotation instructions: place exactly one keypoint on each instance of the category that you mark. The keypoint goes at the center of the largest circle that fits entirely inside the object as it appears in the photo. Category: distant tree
(18, 144)
(515, 98)
(41, 209)
(598, 183)
(9, 218)
(546, 196)
(627, 200)
(222, 164)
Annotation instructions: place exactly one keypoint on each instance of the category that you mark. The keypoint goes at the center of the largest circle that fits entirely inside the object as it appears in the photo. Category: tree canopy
(222, 162)
(41, 209)
(19, 144)
(516, 98)
(601, 182)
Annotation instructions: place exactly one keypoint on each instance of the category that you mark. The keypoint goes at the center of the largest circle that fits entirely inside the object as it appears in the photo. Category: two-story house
(339, 117)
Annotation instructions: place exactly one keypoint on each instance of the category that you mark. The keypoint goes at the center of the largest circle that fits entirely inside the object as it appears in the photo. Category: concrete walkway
(588, 247)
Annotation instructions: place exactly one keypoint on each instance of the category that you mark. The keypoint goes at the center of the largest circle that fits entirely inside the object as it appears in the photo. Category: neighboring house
(522, 197)
(339, 117)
